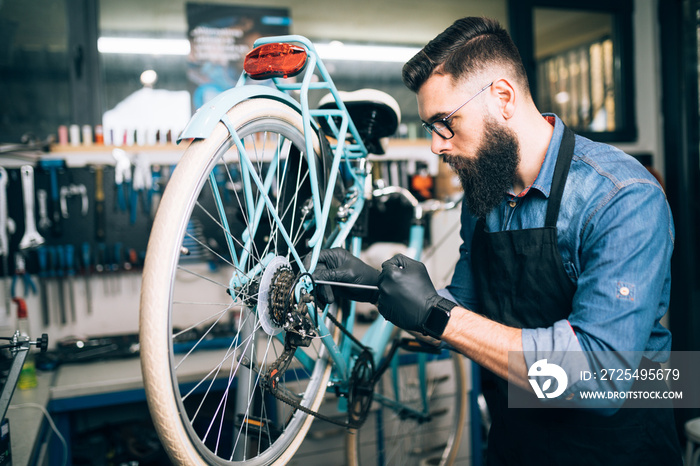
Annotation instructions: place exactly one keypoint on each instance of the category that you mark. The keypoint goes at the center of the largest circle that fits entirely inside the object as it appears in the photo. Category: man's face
(483, 152)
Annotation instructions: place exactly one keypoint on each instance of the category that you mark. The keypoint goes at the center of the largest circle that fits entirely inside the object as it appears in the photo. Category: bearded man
(565, 256)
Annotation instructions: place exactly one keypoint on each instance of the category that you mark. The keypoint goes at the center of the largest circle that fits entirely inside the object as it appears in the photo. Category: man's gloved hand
(406, 293)
(339, 265)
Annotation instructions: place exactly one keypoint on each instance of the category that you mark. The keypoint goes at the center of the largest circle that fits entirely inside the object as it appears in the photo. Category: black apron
(521, 282)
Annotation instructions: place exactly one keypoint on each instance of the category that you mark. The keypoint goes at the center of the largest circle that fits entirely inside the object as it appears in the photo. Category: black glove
(406, 293)
(339, 265)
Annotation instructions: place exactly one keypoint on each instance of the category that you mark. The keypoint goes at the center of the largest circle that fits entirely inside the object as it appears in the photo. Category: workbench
(69, 389)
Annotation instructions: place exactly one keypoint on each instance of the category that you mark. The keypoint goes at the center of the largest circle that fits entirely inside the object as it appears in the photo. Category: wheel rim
(393, 438)
(224, 413)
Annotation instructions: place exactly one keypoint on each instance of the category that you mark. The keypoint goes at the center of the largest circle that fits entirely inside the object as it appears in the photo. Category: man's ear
(504, 91)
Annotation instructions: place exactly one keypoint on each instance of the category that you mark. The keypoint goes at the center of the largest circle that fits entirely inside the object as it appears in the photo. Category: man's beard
(491, 173)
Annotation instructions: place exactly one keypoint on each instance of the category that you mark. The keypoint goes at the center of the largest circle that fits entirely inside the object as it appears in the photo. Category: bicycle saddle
(376, 115)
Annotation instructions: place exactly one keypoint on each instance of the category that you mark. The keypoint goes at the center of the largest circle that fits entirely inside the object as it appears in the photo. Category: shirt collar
(543, 182)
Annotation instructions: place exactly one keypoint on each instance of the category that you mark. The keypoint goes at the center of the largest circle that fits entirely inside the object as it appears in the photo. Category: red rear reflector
(276, 60)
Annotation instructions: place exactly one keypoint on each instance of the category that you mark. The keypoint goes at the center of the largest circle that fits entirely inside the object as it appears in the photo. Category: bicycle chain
(269, 380)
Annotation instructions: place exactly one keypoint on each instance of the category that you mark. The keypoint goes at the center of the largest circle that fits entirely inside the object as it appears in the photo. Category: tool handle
(27, 175)
(346, 285)
(51, 263)
(70, 259)
(117, 256)
(42, 255)
(100, 220)
(61, 261)
(54, 200)
(85, 252)
(4, 243)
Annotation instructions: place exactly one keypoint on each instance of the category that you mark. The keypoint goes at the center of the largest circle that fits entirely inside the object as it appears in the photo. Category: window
(578, 56)
(34, 73)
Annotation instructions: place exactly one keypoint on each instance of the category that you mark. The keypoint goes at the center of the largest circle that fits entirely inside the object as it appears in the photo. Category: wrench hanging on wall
(53, 166)
(31, 239)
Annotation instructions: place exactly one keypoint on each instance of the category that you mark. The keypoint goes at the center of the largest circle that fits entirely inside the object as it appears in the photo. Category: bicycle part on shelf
(31, 239)
(361, 389)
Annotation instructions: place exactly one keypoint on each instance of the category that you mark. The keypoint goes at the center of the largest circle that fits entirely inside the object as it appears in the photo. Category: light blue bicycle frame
(353, 154)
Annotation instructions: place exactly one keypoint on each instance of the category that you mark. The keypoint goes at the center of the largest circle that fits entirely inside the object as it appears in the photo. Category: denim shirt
(615, 236)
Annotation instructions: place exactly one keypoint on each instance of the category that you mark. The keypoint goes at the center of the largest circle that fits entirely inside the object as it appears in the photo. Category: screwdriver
(347, 285)
(87, 262)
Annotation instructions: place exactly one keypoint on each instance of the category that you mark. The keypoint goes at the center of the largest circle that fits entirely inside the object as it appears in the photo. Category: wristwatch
(437, 318)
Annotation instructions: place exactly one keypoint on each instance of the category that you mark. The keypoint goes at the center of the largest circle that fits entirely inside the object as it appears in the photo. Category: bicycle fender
(207, 116)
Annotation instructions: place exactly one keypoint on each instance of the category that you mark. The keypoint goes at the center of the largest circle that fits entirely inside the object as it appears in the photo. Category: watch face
(436, 322)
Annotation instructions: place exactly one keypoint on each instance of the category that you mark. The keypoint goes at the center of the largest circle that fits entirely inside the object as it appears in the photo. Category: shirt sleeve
(622, 290)
(461, 288)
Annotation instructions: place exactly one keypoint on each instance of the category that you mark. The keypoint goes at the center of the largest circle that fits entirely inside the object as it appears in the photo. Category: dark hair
(470, 45)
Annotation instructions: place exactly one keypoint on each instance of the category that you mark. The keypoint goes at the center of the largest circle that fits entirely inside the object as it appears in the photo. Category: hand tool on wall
(70, 191)
(4, 240)
(31, 238)
(142, 181)
(100, 220)
(87, 263)
(43, 260)
(21, 274)
(154, 194)
(44, 222)
(114, 266)
(60, 273)
(70, 273)
(122, 177)
(52, 167)
(101, 266)
(52, 273)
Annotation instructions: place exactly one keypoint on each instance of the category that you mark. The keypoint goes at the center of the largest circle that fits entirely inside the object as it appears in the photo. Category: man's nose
(438, 145)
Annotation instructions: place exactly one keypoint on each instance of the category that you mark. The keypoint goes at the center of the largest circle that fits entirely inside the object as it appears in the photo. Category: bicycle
(260, 190)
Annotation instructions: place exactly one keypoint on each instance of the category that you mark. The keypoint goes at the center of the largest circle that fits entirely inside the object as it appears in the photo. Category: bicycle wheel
(204, 350)
(393, 433)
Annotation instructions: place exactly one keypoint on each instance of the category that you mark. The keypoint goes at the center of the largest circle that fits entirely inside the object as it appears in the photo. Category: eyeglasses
(441, 128)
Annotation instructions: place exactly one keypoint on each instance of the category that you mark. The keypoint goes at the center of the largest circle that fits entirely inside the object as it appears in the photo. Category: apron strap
(561, 171)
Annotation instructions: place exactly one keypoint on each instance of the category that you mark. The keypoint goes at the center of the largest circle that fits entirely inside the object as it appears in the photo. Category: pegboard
(77, 224)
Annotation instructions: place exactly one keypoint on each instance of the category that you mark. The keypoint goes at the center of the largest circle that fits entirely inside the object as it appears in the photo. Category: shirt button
(512, 203)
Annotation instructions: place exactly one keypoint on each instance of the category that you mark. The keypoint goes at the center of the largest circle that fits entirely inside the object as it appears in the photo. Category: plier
(122, 176)
(20, 272)
(142, 181)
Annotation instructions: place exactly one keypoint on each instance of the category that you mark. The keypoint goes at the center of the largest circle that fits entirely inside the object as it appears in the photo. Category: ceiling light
(386, 53)
(335, 50)
(143, 46)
